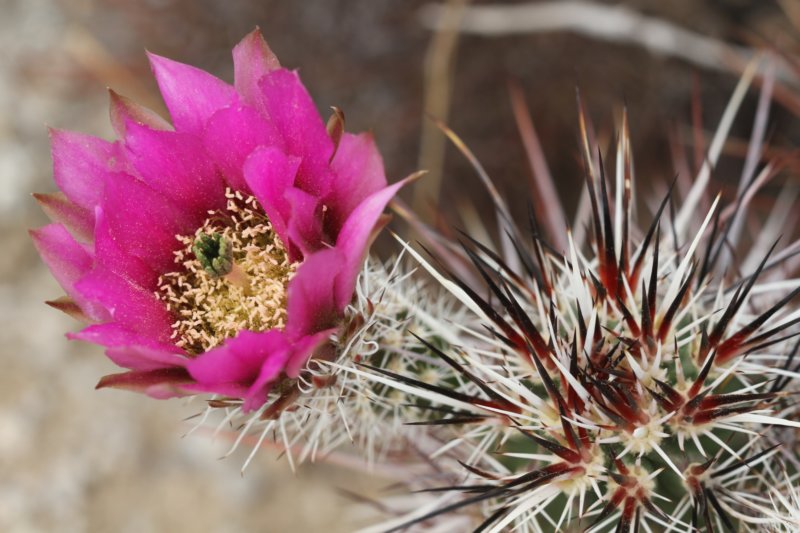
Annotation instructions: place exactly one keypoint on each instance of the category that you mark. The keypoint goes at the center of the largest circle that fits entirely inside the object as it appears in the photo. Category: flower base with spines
(333, 407)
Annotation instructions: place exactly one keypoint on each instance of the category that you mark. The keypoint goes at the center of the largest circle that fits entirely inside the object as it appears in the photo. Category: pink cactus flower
(216, 254)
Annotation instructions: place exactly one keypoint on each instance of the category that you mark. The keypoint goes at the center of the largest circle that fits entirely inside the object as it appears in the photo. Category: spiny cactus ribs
(633, 387)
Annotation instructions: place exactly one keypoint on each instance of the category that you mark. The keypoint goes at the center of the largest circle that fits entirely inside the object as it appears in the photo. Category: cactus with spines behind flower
(639, 381)
(632, 379)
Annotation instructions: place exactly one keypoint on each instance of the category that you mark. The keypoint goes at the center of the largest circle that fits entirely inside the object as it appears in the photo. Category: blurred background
(75, 459)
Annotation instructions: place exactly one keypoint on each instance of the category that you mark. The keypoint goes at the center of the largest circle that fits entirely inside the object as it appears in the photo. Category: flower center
(233, 276)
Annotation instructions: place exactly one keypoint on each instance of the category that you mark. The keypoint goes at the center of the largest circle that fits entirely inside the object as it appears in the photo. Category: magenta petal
(144, 358)
(359, 172)
(135, 308)
(269, 173)
(159, 384)
(237, 360)
(289, 107)
(176, 165)
(311, 304)
(191, 95)
(230, 137)
(113, 335)
(305, 225)
(252, 60)
(68, 261)
(271, 369)
(123, 110)
(80, 166)
(109, 255)
(289, 359)
(355, 237)
(303, 349)
(143, 222)
(76, 219)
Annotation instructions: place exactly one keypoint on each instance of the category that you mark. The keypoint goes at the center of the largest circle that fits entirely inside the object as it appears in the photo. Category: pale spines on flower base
(633, 386)
(336, 412)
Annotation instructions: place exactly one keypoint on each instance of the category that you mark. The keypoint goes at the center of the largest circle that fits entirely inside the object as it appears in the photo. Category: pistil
(215, 255)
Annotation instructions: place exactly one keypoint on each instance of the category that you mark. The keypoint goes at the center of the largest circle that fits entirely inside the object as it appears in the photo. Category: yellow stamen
(251, 296)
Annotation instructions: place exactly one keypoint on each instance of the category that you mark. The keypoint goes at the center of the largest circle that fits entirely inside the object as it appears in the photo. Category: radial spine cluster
(625, 388)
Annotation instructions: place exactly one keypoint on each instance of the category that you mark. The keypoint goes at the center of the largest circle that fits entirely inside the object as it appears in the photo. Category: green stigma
(214, 253)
